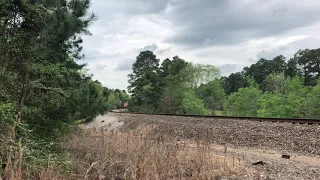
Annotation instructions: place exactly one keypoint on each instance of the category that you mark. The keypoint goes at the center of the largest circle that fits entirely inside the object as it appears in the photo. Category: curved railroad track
(281, 120)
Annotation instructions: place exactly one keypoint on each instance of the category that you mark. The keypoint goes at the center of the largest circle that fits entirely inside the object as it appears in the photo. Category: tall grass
(144, 154)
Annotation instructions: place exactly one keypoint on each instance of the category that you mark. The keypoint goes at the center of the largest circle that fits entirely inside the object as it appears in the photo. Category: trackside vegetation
(269, 88)
(43, 90)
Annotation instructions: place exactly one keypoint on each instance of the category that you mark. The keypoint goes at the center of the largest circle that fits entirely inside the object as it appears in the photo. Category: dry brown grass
(144, 154)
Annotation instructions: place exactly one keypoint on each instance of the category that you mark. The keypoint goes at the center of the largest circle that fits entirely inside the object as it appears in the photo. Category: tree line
(268, 88)
(43, 90)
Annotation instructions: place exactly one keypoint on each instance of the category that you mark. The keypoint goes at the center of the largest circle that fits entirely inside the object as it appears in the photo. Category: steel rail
(287, 120)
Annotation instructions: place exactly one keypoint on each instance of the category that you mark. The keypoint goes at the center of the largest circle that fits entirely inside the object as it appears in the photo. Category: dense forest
(43, 91)
(268, 88)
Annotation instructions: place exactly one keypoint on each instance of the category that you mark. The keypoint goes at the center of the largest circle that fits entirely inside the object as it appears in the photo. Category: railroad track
(281, 120)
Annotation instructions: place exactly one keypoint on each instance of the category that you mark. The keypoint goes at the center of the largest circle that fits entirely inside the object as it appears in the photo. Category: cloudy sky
(229, 34)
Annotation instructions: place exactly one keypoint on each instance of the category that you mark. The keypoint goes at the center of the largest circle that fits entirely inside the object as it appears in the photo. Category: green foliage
(274, 83)
(171, 98)
(311, 105)
(295, 85)
(234, 82)
(7, 115)
(90, 100)
(197, 74)
(244, 102)
(268, 88)
(260, 70)
(278, 105)
(171, 87)
(123, 96)
(144, 80)
(191, 104)
(292, 69)
(173, 70)
(285, 103)
(45, 91)
(172, 84)
(7, 119)
(309, 62)
(213, 94)
(113, 101)
(40, 43)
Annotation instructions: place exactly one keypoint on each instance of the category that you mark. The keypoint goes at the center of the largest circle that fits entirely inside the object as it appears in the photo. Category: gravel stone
(285, 137)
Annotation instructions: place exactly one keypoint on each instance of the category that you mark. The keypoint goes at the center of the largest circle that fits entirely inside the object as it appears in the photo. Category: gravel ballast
(254, 140)
(284, 137)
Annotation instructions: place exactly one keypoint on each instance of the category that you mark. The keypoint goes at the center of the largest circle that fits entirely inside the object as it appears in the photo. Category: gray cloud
(151, 47)
(109, 10)
(287, 50)
(215, 22)
(227, 68)
(91, 54)
(143, 6)
(270, 54)
(125, 65)
(100, 67)
(155, 48)
(165, 50)
(230, 34)
(137, 7)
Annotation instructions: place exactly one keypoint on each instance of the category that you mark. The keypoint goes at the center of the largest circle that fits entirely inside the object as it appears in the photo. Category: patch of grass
(219, 112)
(216, 112)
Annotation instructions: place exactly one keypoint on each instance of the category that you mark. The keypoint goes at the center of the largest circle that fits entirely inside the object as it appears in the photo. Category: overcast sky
(229, 34)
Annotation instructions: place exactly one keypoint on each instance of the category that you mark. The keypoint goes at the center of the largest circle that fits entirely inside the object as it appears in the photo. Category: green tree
(39, 77)
(288, 103)
(292, 69)
(197, 74)
(309, 62)
(90, 100)
(124, 97)
(7, 117)
(171, 98)
(113, 100)
(281, 106)
(40, 40)
(260, 70)
(213, 94)
(274, 83)
(311, 105)
(144, 81)
(172, 68)
(272, 105)
(233, 82)
(172, 84)
(191, 104)
(244, 102)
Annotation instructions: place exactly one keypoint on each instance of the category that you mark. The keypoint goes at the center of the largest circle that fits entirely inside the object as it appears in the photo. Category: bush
(244, 102)
(7, 115)
(191, 104)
